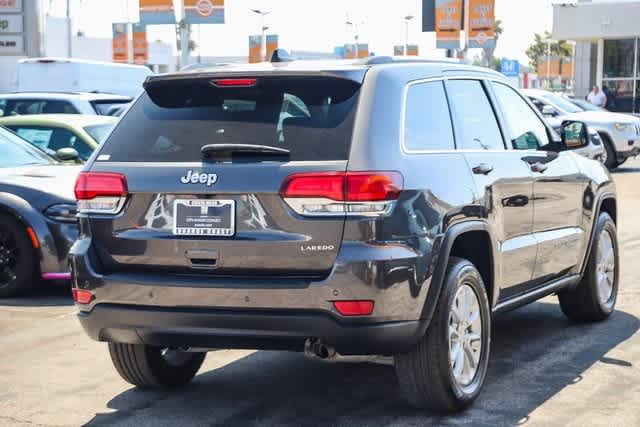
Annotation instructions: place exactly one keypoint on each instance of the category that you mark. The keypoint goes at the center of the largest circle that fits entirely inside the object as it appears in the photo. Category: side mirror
(574, 134)
(548, 111)
(67, 154)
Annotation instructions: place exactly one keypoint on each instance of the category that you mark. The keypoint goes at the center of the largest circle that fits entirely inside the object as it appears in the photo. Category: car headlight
(63, 212)
(621, 127)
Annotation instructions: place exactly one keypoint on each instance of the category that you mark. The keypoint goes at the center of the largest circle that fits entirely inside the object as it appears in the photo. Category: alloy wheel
(465, 335)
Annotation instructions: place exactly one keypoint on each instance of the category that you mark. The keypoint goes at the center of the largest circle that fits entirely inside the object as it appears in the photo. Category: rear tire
(18, 262)
(153, 367)
(594, 298)
(427, 374)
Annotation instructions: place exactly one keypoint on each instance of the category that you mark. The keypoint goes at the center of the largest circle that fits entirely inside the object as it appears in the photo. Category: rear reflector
(82, 296)
(360, 193)
(354, 308)
(100, 192)
(234, 82)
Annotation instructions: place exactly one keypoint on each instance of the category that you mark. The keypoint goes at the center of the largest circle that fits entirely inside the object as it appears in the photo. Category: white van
(77, 75)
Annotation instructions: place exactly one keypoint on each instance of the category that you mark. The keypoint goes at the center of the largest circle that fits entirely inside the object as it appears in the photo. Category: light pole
(549, 41)
(356, 34)
(69, 39)
(263, 29)
(406, 33)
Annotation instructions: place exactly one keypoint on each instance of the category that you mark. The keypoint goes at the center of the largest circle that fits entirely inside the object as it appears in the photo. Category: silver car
(620, 133)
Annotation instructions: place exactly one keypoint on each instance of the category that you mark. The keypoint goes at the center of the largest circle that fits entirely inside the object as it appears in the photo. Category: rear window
(106, 108)
(312, 117)
(25, 107)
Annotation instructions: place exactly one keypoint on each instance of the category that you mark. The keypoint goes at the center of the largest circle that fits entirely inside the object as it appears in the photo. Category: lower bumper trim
(224, 329)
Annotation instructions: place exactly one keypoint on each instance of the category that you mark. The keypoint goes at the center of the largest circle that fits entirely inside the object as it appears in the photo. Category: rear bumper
(267, 313)
(205, 328)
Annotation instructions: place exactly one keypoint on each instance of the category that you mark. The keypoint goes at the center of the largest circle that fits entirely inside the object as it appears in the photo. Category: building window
(619, 57)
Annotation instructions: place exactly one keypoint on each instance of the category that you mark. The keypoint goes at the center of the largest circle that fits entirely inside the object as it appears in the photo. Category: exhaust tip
(316, 349)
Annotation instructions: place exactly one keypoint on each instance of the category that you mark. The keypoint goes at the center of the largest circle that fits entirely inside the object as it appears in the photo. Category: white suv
(59, 103)
(620, 133)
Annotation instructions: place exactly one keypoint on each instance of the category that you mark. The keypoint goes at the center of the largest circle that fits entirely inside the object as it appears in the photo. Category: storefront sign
(11, 45)
(140, 44)
(255, 44)
(510, 67)
(158, 12)
(10, 6)
(204, 11)
(363, 50)
(11, 24)
(448, 23)
(272, 45)
(481, 28)
(120, 43)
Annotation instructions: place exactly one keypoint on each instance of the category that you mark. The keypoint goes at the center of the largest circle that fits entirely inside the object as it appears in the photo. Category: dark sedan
(37, 215)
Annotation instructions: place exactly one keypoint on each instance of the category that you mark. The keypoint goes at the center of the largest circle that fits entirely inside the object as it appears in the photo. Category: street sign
(120, 43)
(481, 27)
(11, 24)
(448, 23)
(139, 44)
(10, 6)
(510, 67)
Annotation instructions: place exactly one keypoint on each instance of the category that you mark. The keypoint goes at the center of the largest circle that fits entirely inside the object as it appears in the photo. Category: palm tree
(487, 53)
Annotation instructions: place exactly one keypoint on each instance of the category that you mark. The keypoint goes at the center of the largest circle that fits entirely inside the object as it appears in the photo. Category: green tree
(538, 49)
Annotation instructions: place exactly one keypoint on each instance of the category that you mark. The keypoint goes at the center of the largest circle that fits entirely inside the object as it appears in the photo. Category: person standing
(597, 97)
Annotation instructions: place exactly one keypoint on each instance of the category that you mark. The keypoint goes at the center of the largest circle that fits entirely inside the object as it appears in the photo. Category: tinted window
(16, 152)
(98, 132)
(427, 123)
(3, 104)
(619, 58)
(37, 106)
(312, 117)
(104, 108)
(526, 129)
(476, 125)
(51, 139)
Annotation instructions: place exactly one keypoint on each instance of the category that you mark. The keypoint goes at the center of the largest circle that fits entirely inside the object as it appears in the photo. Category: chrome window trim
(403, 113)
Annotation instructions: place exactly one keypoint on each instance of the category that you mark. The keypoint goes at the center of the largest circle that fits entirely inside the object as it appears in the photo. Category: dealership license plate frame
(202, 231)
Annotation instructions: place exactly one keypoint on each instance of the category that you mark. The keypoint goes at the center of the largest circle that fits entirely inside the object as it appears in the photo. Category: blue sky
(314, 25)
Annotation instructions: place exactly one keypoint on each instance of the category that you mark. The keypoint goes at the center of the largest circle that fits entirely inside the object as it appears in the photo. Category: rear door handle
(539, 167)
(482, 169)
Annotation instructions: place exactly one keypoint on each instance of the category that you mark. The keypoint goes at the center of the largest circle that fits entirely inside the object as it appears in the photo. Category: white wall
(588, 21)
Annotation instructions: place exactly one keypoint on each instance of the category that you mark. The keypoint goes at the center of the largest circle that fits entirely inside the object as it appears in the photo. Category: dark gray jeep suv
(380, 207)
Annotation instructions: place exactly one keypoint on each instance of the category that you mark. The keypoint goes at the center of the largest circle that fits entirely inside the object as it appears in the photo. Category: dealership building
(607, 36)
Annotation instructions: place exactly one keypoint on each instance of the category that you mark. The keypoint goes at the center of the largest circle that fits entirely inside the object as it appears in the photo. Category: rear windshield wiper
(211, 151)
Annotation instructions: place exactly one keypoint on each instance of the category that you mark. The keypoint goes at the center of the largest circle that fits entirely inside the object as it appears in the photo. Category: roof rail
(380, 60)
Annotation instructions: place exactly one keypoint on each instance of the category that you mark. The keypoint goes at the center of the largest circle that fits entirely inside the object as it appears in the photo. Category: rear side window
(476, 124)
(38, 106)
(312, 117)
(427, 124)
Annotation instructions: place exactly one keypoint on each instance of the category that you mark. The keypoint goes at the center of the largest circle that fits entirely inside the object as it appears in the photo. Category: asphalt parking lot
(544, 370)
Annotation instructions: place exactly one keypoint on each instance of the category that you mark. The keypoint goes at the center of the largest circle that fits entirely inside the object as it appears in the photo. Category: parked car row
(384, 206)
(620, 133)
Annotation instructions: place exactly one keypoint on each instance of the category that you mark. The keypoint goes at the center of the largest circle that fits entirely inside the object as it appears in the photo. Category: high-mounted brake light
(100, 192)
(234, 82)
(339, 193)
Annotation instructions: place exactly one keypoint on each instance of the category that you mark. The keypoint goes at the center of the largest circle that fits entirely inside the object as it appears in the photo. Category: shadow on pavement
(626, 170)
(46, 294)
(536, 352)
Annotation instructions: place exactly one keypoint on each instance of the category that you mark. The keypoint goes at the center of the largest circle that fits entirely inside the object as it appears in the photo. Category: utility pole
(406, 33)
(548, 63)
(129, 36)
(263, 31)
(356, 33)
(185, 32)
(70, 36)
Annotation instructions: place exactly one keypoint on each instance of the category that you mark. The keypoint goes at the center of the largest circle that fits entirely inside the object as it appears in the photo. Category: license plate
(195, 217)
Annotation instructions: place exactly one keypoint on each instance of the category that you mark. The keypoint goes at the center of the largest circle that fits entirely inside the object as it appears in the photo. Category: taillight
(339, 193)
(82, 296)
(354, 307)
(100, 192)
